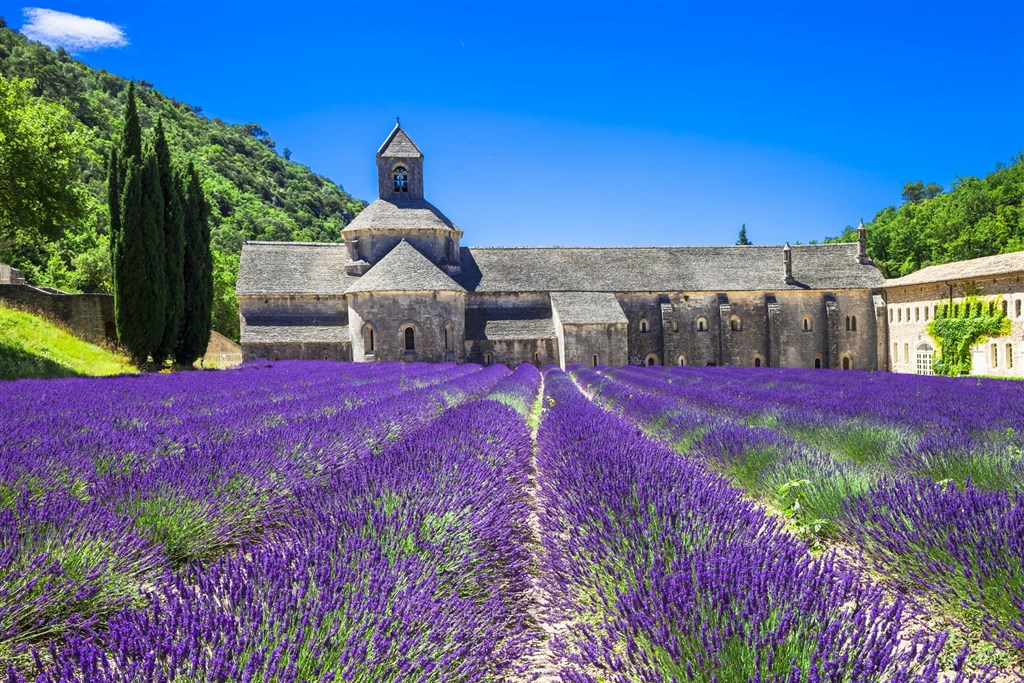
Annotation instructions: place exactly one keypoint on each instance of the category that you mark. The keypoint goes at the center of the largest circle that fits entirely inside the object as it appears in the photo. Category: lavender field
(317, 521)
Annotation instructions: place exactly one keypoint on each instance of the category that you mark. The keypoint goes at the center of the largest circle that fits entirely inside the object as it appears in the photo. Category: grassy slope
(33, 347)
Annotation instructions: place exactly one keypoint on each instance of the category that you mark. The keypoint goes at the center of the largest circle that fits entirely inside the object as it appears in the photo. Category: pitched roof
(403, 214)
(583, 308)
(295, 334)
(404, 269)
(293, 268)
(399, 144)
(507, 322)
(986, 266)
(662, 269)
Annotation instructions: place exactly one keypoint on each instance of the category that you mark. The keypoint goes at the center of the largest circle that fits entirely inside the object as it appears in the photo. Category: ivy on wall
(959, 326)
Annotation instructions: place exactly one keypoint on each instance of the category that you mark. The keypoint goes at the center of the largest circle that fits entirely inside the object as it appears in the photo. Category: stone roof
(662, 269)
(282, 268)
(404, 269)
(984, 267)
(295, 334)
(400, 214)
(509, 323)
(585, 308)
(399, 144)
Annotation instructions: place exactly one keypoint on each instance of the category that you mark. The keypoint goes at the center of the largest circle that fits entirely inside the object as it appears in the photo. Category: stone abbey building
(402, 288)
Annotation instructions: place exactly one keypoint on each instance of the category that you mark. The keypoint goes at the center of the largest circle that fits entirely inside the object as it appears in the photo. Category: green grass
(31, 346)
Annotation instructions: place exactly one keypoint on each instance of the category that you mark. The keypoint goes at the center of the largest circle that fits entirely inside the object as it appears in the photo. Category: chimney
(862, 243)
(787, 260)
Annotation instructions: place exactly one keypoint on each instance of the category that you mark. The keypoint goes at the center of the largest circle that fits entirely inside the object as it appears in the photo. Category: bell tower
(399, 168)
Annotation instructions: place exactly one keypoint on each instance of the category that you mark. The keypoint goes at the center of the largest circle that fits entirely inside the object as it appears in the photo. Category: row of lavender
(948, 428)
(662, 571)
(409, 564)
(361, 525)
(108, 485)
(962, 547)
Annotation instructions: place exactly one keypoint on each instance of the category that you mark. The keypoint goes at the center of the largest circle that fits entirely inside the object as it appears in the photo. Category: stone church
(403, 288)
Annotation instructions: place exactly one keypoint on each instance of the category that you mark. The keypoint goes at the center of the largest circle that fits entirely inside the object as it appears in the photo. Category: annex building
(402, 288)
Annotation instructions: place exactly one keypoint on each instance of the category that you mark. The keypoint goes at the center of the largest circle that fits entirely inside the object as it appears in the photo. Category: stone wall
(785, 329)
(297, 351)
(911, 308)
(373, 245)
(390, 313)
(512, 352)
(89, 316)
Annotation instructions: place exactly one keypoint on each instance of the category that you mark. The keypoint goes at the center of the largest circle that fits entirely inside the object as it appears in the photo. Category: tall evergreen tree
(198, 271)
(114, 179)
(742, 240)
(174, 244)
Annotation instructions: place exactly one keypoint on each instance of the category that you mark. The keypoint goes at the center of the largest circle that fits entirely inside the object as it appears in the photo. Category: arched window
(895, 352)
(808, 325)
(449, 337)
(735, 324)
(488, 358)
(817, 363)
(652, 359)
(847, 362)
(675, 326)
(924, 359)
(644, 325)
(536, 358)
(847, 323)
(410, 339)
(853, 321)
(891, 315)
(596, 360)
(368, 341)
(757, 361)
(401, 175)
(702, 325)
(276, 357)
(899, 315)
(926, 311)
(917, 314)
(681, 360)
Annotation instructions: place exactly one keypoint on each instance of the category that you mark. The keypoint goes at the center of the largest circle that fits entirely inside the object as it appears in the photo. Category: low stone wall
(89, 316)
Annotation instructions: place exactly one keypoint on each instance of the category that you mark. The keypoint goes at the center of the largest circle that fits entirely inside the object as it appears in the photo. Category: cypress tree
(143, 291)
(174, 244)
(131, 136)
(114, 180)
(198, 272)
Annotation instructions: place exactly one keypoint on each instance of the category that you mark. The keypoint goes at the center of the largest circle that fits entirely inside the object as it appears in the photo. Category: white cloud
(70, 31)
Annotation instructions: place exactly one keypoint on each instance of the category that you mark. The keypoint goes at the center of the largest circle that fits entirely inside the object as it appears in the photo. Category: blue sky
(597, 122)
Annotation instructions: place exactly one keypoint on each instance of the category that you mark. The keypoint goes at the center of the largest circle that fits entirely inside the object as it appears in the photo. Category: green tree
(174, 243)
(743, 241)
(140, 284)
(41, 151)
(198, 271)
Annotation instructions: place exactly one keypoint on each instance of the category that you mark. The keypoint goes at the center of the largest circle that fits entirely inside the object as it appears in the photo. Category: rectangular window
(917, 314)
(895, 352)
(1018, 308)
(890, 315)
(926, 314)
(924, 363)
(899, 315)
(906, 353)
(995, 355)
(1009, 355)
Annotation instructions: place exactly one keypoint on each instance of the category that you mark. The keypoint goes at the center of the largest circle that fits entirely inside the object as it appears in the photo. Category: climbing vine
(958, 327)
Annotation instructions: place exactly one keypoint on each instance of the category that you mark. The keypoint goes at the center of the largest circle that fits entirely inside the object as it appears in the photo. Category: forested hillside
(255, 191)
(977, 217)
